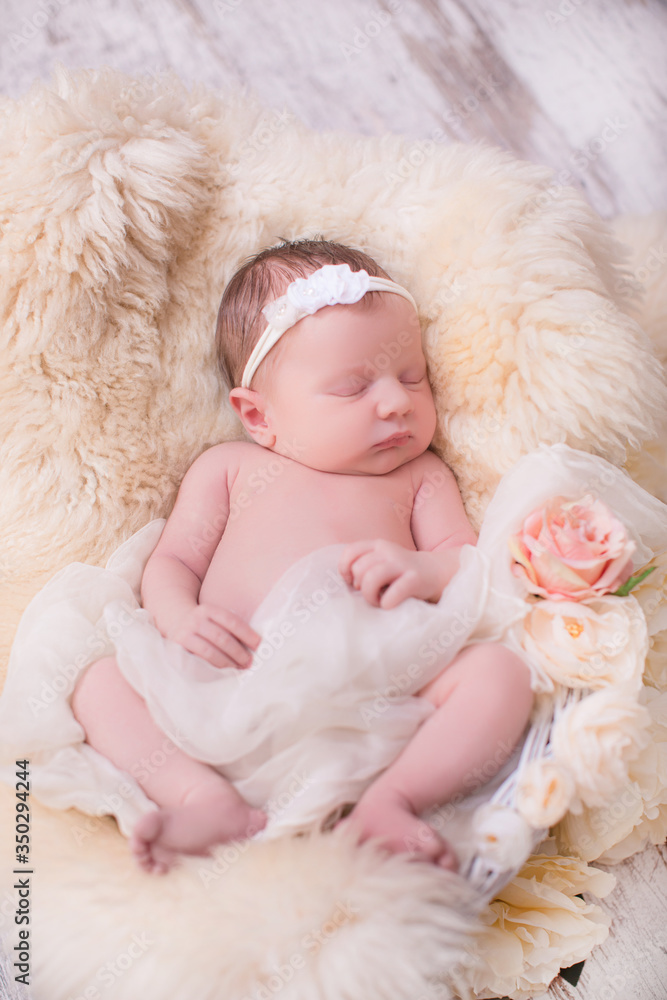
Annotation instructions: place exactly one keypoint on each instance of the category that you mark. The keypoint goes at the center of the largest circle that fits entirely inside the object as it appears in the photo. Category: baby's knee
(507, 670)
(96, 684)
(499, 675)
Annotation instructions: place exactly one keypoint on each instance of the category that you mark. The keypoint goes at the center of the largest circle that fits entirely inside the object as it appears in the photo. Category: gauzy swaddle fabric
(328, 701)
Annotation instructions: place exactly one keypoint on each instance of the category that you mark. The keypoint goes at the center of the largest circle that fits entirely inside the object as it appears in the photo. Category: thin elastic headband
(331, 285)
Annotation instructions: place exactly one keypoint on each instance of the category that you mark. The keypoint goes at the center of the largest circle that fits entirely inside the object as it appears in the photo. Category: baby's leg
(199, 808)
(483, 701)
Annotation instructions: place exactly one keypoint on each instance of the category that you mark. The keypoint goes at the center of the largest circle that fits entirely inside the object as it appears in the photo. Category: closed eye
(349, 391)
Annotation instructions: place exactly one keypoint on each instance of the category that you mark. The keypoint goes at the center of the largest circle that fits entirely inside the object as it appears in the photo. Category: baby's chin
(379, 463)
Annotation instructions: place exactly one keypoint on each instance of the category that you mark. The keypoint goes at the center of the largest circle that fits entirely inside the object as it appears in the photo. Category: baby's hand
(217, 635)
(386, 573)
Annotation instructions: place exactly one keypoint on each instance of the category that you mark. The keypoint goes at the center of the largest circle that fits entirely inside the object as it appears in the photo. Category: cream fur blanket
(125, 206)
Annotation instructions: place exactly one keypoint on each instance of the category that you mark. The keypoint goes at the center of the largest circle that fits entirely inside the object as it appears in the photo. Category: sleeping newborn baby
(324, 354)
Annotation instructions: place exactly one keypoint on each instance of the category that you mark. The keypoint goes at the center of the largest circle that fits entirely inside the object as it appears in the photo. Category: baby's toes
(423, 842)
(447, 859)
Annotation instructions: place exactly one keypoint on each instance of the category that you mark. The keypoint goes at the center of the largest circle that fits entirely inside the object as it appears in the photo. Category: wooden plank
(632, 963)
(585, 92)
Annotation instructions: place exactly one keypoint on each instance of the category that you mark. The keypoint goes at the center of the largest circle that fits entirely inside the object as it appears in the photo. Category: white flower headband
(331, 285)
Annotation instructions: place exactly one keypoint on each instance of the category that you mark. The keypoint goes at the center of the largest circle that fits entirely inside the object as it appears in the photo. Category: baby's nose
(393, 397)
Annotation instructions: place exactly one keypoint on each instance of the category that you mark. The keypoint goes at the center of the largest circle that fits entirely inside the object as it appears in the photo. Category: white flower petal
(588, 644)
(502, 837)
(596, 738)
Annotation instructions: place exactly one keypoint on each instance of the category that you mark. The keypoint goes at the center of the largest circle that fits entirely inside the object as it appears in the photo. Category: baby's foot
(206, 818)
(390, 817)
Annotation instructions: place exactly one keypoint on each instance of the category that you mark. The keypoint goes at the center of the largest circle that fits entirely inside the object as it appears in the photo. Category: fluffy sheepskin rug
(125, 206)
(301, 918)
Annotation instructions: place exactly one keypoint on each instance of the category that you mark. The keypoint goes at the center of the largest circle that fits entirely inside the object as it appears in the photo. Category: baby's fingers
(406, 585)
(235, 625)
(375, 580)
(236, 654)
(350, 554)
(210, 652)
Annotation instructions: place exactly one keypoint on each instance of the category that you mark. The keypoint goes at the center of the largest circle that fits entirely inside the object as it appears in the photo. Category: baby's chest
(342, 505)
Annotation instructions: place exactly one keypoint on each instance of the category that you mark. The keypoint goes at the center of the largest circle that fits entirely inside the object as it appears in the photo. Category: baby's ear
(251, 408)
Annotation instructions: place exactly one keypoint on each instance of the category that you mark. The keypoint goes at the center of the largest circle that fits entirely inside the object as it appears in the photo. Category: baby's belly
(240, 575)
(261, 542)
(239, 578)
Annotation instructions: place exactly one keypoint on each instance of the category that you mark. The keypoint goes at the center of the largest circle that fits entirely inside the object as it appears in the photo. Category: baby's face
(349, 393)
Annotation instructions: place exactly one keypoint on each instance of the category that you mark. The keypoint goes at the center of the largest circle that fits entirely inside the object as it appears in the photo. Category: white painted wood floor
(580, 85)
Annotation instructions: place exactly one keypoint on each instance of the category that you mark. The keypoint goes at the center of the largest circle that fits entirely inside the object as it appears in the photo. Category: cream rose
(544, 792)
(592, 832)
(655, 671)
(571, 550)
(537, 925)
(648, 773)
(651, 594)
(589, 645)
(596, 738)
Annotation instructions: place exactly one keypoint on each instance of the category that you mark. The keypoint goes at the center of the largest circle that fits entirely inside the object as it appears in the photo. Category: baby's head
(326, 385)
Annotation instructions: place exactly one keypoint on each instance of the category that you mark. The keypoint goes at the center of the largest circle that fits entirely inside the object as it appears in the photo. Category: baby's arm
(175, 571)
(387, 573)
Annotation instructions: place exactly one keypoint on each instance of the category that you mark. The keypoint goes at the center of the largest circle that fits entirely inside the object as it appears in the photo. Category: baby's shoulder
(220, 461)
(429, 468)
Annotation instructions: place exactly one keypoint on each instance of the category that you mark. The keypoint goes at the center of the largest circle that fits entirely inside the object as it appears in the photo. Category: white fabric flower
(593, 644)
(501, 836)
(596, 738)
(282, 314)
(544, 792)
(330, 285)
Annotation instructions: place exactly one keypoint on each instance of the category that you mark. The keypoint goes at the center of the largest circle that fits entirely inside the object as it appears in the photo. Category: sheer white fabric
(329, 700)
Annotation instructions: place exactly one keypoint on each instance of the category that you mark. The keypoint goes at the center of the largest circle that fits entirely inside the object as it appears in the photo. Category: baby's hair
(263, 278)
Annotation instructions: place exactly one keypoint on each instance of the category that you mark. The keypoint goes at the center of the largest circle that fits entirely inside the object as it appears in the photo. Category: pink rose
(571, 550)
